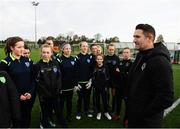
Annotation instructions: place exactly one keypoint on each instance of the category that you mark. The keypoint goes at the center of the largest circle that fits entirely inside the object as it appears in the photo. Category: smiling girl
(20, 70)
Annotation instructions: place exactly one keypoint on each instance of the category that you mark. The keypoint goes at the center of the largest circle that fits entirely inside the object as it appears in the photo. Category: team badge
(120, 63)
(114, 62)
(127, 64)
(27, 64)
(88, 60)
(143, 66)
(2, 79)
(72, 62)
(55, 69)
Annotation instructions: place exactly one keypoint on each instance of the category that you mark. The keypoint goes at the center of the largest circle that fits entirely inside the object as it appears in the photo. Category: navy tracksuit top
(84, 67)
(68, 68)
(20, 71)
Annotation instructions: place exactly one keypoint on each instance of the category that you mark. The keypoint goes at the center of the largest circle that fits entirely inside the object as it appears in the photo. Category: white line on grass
(174, 105)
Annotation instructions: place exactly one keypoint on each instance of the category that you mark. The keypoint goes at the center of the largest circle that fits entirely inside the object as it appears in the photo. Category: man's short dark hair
(147, 29)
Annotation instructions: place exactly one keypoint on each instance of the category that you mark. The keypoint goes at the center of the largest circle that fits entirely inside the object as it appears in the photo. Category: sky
(88, 17)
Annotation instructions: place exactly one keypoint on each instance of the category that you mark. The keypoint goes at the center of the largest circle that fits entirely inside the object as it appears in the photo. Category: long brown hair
(11, 42)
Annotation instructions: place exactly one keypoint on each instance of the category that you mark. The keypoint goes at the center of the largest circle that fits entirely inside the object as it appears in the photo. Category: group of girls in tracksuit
(45, 75)
(55, 80)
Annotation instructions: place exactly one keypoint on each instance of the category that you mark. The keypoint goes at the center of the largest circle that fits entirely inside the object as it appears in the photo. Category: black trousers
(119, 97)
(66, 97)
(118, 101)
(94, 99)
(83, 97)
(25, 113)
(47, 104)
(100, 92)
(111, 96)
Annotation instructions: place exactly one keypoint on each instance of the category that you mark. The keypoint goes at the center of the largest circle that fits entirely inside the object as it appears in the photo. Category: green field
(172, 120)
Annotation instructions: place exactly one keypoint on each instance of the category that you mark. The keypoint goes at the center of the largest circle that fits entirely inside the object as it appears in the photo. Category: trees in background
(73, 38)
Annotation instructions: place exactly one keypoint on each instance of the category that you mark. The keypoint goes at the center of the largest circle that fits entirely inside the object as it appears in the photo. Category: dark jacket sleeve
(3, 65)
(116, 74)
(162, 79)
(92, 66)
(107, 73)
(107, 76)
(76, 72)
(59, 80)
(14, 100)
(33, 85)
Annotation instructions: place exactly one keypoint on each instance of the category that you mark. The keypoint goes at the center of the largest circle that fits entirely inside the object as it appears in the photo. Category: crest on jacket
(114, 62)
(72, 62)
(88, 60)
(143, 66)
(55, 69)
(127, 64)
(120, 63)
(3, 80)
(27, 64)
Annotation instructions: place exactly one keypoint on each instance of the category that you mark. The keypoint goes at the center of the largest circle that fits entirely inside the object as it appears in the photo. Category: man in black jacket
(9, 101)
(150, 88)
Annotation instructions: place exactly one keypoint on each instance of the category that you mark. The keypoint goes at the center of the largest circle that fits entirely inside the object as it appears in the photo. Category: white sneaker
(90, 115)
(107, 116)
(78, 117)
(52, 124)
(98, 117)
(41, 127)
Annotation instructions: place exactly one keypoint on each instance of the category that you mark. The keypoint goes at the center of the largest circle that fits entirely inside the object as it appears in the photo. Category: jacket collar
(12, 57)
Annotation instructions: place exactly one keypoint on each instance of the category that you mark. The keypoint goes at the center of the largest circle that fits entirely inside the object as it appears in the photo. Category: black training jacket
(84, 67)
(150, 86)
(48, 78)
(124, 67)
(9, 102)
(100, 77)
(112, 62)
